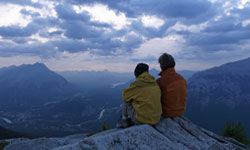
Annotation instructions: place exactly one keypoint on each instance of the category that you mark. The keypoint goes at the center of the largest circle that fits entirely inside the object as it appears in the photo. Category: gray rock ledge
(177, 133)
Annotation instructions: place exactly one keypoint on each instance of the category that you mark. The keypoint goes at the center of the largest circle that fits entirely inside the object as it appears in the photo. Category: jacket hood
(145, 78)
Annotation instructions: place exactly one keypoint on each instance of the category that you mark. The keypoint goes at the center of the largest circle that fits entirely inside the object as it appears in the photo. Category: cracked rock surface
(177, 133)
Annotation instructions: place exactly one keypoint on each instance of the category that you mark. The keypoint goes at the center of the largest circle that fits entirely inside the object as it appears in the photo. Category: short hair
(166, 61)
(140, 68)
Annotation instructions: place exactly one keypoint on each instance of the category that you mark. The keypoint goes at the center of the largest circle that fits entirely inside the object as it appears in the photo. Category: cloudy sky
(117, 34)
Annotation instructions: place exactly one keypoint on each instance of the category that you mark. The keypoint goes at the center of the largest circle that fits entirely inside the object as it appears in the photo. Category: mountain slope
(30, 85)
(219, 95)
(78, 114)
(178, 133)
(6, 134)
(187, 74)
(38, 101)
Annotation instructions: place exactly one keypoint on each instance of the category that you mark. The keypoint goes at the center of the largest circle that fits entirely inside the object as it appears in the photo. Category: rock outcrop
(177, 133)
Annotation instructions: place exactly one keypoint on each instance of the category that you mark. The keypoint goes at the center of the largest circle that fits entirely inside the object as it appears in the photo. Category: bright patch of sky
(155, 47)
(49, 8)
(191, 28)
(243, 3)
(47, 11)
(246, 23)
(39, 38)
(17, 60)
(10, 15)
(102, 13)
(152, 21)
(87, 61)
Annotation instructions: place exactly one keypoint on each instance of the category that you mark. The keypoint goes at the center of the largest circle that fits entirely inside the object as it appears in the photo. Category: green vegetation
(236, 131)
(7, 134)
(105, 126)
(3, 144)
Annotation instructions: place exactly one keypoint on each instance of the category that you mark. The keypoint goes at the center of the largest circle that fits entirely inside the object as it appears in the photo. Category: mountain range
(219, 95)
(28, 86)
(34, 99)
(40, 102)
(92, 80)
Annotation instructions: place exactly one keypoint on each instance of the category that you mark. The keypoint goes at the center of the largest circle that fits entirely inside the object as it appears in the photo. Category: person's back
(142, 100)
(173, 87)
(145, 94)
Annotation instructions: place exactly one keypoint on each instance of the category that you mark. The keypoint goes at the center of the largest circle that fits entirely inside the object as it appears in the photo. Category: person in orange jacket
(173, 88)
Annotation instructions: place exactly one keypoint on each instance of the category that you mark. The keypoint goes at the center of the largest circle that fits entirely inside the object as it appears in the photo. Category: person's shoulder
(181, 79)
(132, 86)
(133, 83)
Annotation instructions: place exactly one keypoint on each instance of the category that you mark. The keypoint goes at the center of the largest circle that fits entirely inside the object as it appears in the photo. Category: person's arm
(159, 83)
(130, 93)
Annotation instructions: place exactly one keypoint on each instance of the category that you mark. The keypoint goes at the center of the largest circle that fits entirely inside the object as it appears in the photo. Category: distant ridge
(30, 85)
(219, 95)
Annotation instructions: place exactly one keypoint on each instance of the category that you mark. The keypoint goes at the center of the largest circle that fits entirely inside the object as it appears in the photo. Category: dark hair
(140, 68)
(166, 61)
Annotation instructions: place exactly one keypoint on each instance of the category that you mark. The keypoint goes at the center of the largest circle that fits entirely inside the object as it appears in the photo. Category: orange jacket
(174, 90)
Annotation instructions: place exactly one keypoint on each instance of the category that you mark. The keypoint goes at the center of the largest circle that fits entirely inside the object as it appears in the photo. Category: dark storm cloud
(79, 30)
(226, 25)
(36, 49)
(225, 38)
(36, 26)
(66, 12)
(188, 11)
(242, 13)
(149, 32)
(21, 2)
(173, 8)
(221, 34)
(48, 49)
(53, 33)
(17, 31)
(79, 27)
(166, 8)
(46, 22)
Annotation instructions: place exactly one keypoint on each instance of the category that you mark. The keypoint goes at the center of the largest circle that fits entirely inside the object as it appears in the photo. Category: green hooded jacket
(145, 96)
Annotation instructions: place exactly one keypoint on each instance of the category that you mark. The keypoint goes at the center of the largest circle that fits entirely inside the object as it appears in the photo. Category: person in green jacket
(142, 99)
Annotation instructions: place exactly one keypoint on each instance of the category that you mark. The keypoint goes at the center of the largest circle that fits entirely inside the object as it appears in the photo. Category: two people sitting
(147, 99)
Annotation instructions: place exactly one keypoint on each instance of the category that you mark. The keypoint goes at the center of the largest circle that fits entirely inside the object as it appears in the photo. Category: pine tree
(236, 131)
(105, 126)
(3, 144)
